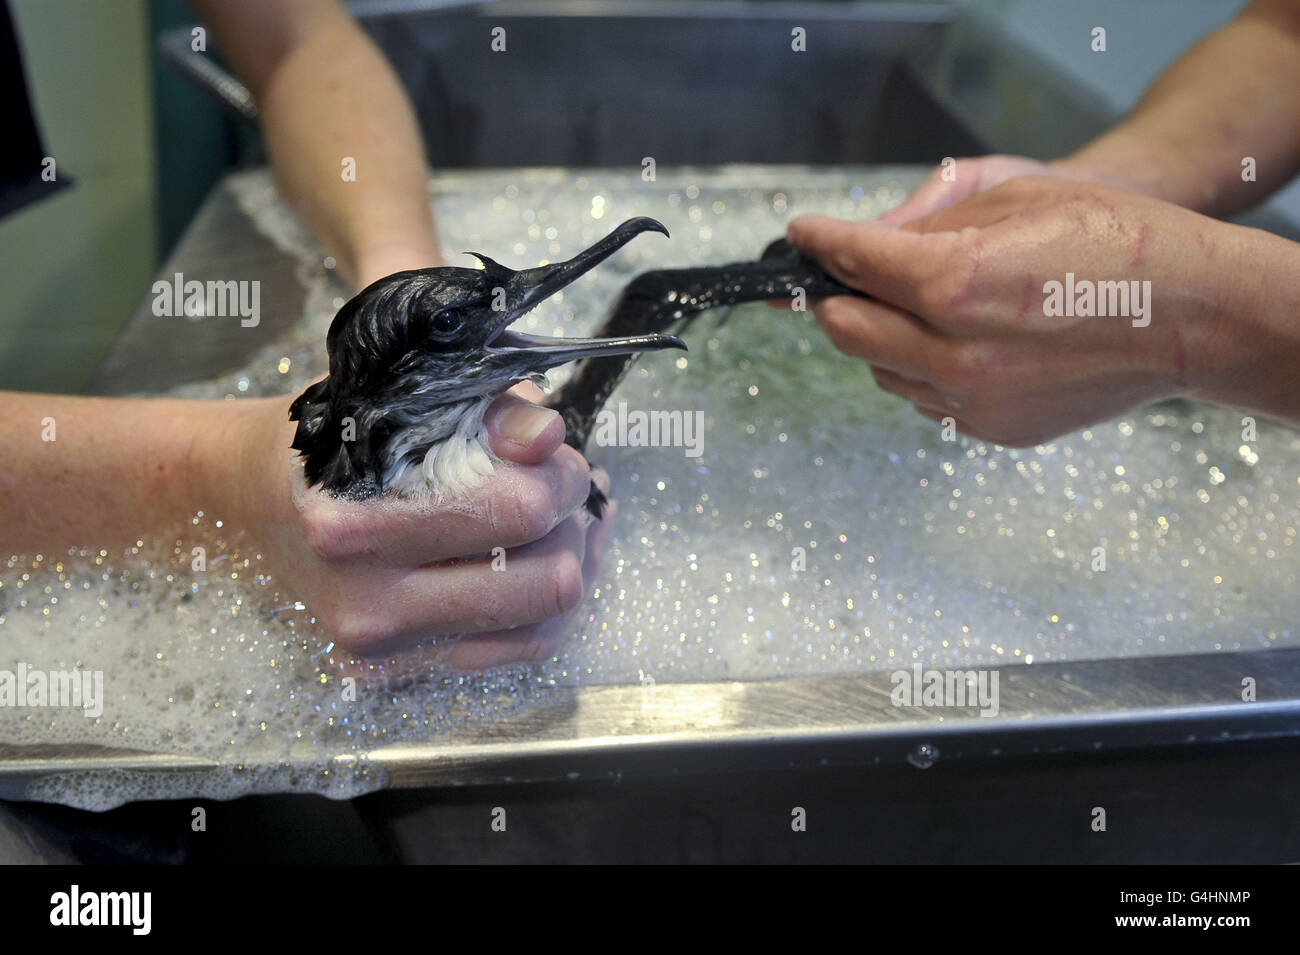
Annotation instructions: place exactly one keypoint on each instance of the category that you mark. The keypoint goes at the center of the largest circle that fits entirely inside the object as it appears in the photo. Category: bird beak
(525, 289)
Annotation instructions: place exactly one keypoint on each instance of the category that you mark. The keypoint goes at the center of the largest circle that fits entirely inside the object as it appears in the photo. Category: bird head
(423, 342)
(451, 325)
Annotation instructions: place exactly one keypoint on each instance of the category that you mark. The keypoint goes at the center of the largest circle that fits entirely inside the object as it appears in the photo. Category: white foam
(916, 549)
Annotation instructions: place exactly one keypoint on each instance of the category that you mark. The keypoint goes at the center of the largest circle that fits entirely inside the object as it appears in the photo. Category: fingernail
(522, 423)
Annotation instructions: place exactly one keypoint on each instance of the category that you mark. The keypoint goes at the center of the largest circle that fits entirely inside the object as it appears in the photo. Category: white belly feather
(456, 463)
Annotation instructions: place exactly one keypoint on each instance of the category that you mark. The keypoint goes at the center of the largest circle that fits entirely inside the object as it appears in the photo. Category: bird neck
(438, 456)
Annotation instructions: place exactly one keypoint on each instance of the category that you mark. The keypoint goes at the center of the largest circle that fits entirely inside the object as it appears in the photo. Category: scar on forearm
(1140, 245)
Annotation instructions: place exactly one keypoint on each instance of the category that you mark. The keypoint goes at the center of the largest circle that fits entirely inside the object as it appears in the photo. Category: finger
(486, 651)
(880, 335)
(480, 651)
(909, 389)
(888, 263)
(597, 537)
(992, 206)
(601, 479)
(979, 211)
(529, 392)
(930, 196)
(402, 667)
(977, 432)
(521, 431)
(940, 416)
(958, 181)
(515, 505)
(508, 588)
(540, 641)
(428, 661)
(787, 304)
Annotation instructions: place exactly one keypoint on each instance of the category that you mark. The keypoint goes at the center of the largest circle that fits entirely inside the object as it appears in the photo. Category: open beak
(525, 289)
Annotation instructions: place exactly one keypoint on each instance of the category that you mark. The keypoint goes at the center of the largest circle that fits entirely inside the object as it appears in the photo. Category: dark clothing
(23, 155)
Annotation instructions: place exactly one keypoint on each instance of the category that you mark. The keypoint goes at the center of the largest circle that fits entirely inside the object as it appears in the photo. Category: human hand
(958, 325)
(383, 574)
(951, 183)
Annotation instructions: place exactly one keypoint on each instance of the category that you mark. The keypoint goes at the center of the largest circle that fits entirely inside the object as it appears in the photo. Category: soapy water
(825, 527)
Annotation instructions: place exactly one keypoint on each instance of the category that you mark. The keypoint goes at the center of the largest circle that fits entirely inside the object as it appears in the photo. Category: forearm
(340, 131)
(1229, 97)
(106, 473)
(336, 97)
(1252, 350)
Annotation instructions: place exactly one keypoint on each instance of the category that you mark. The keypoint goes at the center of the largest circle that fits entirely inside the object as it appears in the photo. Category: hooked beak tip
(532, 285)
(646, 224)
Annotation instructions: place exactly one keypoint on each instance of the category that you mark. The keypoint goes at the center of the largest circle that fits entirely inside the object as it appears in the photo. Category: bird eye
(445, 322)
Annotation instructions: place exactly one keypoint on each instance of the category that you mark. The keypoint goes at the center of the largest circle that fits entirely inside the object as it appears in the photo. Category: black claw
(596, 502)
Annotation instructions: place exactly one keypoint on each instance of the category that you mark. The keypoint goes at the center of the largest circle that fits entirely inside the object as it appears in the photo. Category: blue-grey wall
(76, 263)
(1142, 38)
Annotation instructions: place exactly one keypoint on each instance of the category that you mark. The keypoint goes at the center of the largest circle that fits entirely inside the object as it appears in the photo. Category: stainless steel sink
(707, 83)
(701, 83)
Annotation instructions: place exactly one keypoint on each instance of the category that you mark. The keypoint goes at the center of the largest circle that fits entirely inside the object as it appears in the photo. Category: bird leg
(669, 299)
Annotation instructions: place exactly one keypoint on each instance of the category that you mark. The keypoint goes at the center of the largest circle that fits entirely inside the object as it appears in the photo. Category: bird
(416, 358)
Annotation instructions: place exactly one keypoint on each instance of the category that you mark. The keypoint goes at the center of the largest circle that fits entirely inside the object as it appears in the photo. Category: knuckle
(330, 535)
(886, 381)
(1002, 423)
(559, 590)
(355, 628)
(846, 259)
(575, 484)
(567, 581)
(839, 323)
(1080, 206)
(1021, 442)
(937, 294)
(534, 649)
(1014, 430)
(950, 284)
(966, 369)
(530, 515)
(475, 609)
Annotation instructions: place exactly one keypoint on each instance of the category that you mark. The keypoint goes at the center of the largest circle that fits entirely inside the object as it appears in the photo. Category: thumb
(936, 193)
(521, 431)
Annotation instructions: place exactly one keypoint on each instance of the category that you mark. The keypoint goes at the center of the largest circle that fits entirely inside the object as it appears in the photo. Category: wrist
(1251, 336)
(232, 465)
(1142, 162)
(1107, 162)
